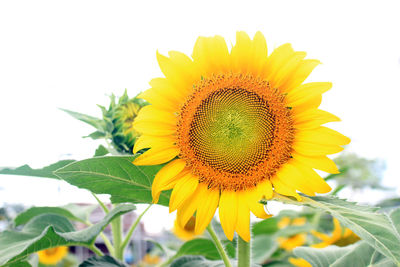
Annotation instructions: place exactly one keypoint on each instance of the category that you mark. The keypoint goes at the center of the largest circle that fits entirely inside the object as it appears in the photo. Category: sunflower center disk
(234, 131)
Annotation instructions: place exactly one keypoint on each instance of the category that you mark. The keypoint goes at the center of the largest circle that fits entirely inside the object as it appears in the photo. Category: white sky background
(72, 54)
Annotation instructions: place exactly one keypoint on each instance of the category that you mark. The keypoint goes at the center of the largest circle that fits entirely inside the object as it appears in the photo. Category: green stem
(133, 227)
(243, 253)
(117, 237)
(97, 251)
(219, 246)
(107, 242)
(101, 203)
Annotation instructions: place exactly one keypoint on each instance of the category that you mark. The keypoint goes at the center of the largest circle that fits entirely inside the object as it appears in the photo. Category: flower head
(52, 256)
(234, 126)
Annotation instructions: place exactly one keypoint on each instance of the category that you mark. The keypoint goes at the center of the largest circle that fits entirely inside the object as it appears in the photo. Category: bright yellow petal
(312, 118)
(188, 208)
(337, 230)
(167, 175)
(153, 114)
(322, 163)
(211, 55)
(322, 135)
(284, 189)
(291, 176)
(253, 196)
(322, 236)
(305, 92)
(299, 221)
(154, 128)
(249, 56)
(311, 178)
(228, 212)
(287, 70)
(278, 58)
(205, 211)
(243, 220)
(155, 156)
(297, 76)
(158, 142)
(183, 189)
(156, 97)
(310, 149)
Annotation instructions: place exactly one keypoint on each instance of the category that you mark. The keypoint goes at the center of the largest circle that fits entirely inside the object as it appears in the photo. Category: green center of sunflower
(232, 130)
(235, 131)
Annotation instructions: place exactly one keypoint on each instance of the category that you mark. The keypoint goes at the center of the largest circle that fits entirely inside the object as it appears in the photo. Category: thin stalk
(101, 203)
(243, 253)
(116, 228)
(133, 227)
(97, 251)
(107, 242)
(219, 246)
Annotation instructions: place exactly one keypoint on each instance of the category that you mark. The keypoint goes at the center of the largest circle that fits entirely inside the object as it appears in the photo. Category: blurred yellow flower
(289, 243)
(151, 259)
(339, 237)
(52, 256)
(299, 262)
(187, 232)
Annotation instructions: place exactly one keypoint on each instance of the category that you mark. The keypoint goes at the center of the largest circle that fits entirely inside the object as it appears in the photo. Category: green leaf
(95, 122)
(101, 151)
(104, 261)
(268, 226)
(199, 246)
(196, 261)
(46, 172)
(80, 211)
(51, 230)
(357, 255)
(30, 213)
(377, 229)
(96, 135)
(263, 246)
(116, 176)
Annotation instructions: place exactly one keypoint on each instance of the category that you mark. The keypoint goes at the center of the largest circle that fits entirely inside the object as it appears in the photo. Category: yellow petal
(228, 212)
(284, 222)
(298, 262)
(243, 220)
(211, 55)
(322, 236)
(299, 221)
(322, 163)
(179, 71)
(302, 71)
(287, 70)
(262, 191)
(305, 92)
(183, 189)
(337, 230)
(310, 149)
(154, 128)
(322, 135)
(158, 142)
(186, 211)
(158, 98)
(289, 175)
(284, 189)
(276, 60)
(311, 178)
(155, 156)
(165, 176)
(153, 114)
(312, 118)
(205, 211)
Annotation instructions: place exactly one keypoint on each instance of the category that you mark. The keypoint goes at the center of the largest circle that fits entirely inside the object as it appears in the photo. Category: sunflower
(340, 237)
(185, 232)
(52, 256)
(234, 126)
(289, 243)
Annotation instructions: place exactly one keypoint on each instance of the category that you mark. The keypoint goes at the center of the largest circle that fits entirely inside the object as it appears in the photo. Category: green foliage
(104, 261)
(116, 176)
(358, 255)
(199, 246)
(71, 211)
(377, 229)
(46, 172)
(116, 122)
(357, 172)
(101, 151)
(263, 247)
(51, 230)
